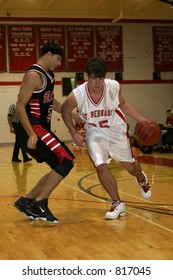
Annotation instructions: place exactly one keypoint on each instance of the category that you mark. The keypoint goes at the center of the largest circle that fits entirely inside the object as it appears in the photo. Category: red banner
(163, 48)
(3, 65)
(54, 34)
(80, 47)
(109, 46)
(22, 47)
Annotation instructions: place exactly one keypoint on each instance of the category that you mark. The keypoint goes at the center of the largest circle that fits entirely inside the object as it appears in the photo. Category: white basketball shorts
(104, 144)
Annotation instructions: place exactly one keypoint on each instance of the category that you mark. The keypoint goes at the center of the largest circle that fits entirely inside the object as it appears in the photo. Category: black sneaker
(41, 210)
(21, 205)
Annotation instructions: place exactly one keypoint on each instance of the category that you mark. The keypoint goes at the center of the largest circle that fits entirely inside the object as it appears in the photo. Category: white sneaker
(145, 188)
(117, 209)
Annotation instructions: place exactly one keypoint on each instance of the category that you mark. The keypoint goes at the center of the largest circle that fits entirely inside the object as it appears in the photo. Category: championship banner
(22, 47)
(54, 34)
(109, 46)
(3, 65)
(163, 48)
(80, 46)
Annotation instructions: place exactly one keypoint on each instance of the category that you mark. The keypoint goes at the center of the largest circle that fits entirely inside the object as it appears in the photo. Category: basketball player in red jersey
(34, 107)
(101, 106)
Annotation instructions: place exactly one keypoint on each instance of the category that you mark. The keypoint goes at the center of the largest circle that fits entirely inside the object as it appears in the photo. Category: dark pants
(17, 146)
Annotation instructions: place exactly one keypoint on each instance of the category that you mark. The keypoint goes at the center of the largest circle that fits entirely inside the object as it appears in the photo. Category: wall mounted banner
(109, 46)
(22, 47)
(163, 48)
(54, 34)
(3, 65)
(80, 47)
(79, 43)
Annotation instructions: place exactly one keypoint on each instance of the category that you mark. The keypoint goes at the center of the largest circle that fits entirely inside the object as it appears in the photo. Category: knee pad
(64, 168)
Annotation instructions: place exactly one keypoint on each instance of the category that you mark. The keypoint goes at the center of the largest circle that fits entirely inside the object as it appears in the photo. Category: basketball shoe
(41, 210)
(117, 209)
(145, 188)
(21, 205)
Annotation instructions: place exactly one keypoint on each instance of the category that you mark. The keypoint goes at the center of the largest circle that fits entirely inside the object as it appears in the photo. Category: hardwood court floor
(80, 203)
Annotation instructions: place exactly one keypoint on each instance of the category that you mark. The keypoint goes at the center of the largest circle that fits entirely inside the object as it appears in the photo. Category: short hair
(97, 67)
(51, 47)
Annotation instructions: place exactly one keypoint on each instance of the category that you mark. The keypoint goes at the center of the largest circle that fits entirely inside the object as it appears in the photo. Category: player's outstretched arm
(129, 110)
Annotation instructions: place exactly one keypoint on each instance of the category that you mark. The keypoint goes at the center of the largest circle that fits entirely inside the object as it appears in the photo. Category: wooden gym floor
(80, 203)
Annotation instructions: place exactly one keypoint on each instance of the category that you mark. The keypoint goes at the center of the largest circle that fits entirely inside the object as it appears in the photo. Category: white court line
(168, 229)
(126, 193)
(151, 222)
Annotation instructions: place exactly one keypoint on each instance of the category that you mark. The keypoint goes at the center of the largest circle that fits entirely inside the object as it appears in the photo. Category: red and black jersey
(39, 107)
(50, 148)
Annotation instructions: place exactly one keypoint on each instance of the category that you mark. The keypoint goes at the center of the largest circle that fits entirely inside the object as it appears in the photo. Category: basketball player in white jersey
(101, 106)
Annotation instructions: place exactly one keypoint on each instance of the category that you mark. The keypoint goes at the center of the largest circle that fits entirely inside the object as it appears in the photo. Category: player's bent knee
(65, 167)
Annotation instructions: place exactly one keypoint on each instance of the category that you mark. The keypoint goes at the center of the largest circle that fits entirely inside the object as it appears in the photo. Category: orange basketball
(147, 133)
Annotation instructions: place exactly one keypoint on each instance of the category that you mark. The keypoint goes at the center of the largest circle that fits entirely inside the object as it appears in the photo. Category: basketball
(147, 133)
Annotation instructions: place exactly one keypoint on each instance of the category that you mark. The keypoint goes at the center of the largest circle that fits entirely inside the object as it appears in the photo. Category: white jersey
(106, 128)
(105, 113)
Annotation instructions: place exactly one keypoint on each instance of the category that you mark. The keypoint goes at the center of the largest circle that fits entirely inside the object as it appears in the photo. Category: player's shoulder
(112, 84)
(37, 70)
(79, 90)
